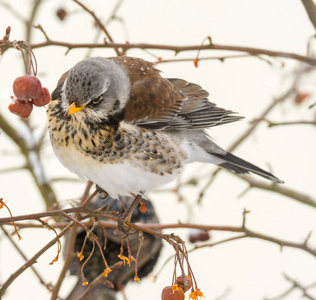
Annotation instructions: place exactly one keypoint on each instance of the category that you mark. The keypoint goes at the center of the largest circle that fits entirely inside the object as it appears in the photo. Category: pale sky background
(246, 269)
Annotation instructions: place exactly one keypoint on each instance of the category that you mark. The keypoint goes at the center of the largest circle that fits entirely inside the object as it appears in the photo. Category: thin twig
(99, 23)
(153, 228)
(45, 188)
(299, 286)
(67, 259)
(248, 132)
(70, 247)
(106, 23)
(294, 287)
(280, 189)
(208, 245)
(31, 261)
(42, 281)
(220, 58)
(177, 49)
(99, 279)
(272, 124)
(13, 11)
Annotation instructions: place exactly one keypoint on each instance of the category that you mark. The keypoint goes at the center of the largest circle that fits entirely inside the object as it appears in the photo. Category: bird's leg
(126, 216)
(103, 194)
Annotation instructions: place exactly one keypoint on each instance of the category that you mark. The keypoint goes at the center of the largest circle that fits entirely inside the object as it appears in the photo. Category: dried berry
(169, 294)
(22, 108)
(61, 14)
(27, 87)
(185, 282)
(301, 97)
(198, 235)
(43, 98)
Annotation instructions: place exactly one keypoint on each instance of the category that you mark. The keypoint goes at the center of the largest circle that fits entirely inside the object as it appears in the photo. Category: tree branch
(30, 262)
(303, 122)
(178, 49)
(99, 23)
(153, 228)
(25, 258)
(280, 189)
(44, 187)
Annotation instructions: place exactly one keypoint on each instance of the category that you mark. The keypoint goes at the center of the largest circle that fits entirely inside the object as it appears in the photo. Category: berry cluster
(28, 91)
(176, 292)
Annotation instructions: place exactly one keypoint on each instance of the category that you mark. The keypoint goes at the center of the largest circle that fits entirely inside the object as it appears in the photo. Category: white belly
(116, 179)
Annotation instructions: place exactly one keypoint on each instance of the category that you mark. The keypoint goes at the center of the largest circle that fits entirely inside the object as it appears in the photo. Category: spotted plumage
(120, 124)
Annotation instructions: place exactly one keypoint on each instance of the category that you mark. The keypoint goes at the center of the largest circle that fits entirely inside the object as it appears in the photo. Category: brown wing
(154, 100)
(169, 104)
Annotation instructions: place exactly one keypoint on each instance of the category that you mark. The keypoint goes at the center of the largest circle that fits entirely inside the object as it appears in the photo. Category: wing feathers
(240, 166)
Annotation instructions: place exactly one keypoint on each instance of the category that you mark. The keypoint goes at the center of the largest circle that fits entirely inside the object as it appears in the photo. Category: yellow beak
(73, 109)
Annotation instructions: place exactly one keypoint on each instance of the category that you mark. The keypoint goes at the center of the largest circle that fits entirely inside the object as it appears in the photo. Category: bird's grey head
(97, 86)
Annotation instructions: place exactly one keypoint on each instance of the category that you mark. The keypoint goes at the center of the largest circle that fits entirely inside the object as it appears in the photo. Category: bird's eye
(96, 100)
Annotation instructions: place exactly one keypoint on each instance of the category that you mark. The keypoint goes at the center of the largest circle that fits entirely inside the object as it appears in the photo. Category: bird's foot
(126, 216)
(103, 194)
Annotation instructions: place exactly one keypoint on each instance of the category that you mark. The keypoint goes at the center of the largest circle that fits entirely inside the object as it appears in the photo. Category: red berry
(43, 98)
(26, 87)
(185, 282)
(169, 294)
(22, 108)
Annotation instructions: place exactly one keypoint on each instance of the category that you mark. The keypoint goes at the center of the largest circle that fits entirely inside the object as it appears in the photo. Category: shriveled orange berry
(80, 256)
(196, 62)
(169, 294)
(142, 207)
(2, 203)
(27, 87)
(22, 108)
(106, 272)
(194, 295)
(43, 99)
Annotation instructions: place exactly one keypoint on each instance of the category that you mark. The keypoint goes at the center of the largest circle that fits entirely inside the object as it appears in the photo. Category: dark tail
(240, 166)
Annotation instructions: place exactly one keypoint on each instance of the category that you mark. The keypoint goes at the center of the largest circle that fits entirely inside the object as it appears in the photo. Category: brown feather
(160, 103)
(152, 97)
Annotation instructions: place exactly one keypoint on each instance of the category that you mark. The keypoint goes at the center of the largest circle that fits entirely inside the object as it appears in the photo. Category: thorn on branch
(244, 218)
(307, 238)
(244, 192)
(210, 40)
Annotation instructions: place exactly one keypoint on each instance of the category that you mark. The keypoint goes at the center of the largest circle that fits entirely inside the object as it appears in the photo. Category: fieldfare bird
(147, 258)
(117, 122)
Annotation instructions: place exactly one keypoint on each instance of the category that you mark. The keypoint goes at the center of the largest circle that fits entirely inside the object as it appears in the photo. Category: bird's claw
(121, 223)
